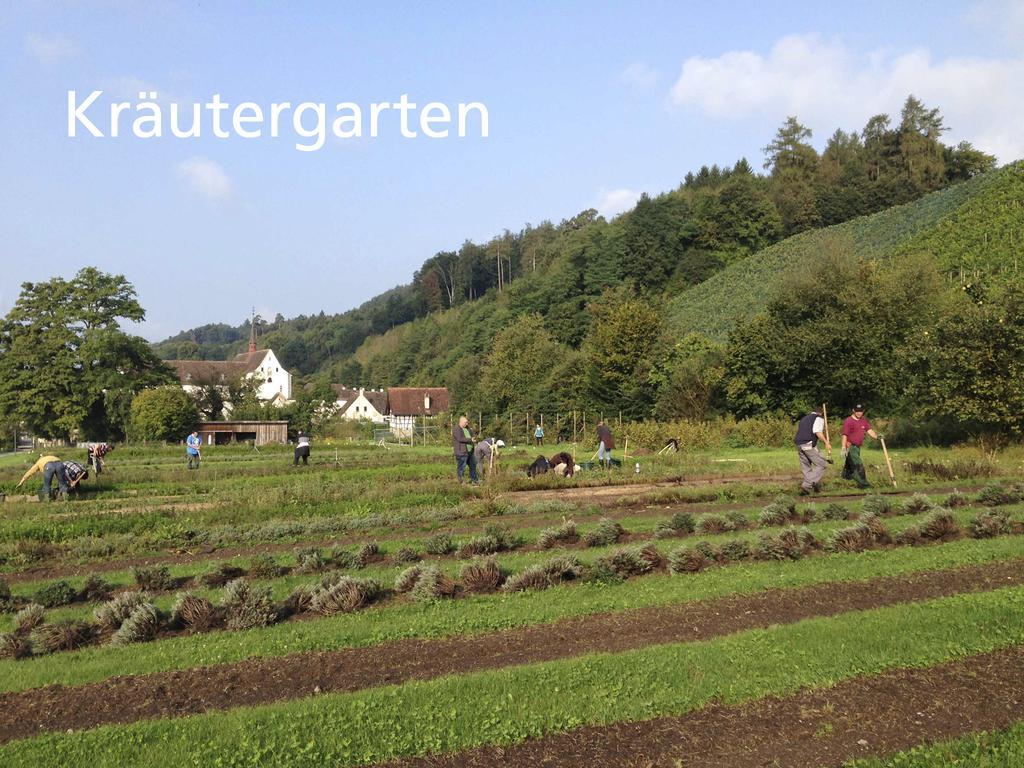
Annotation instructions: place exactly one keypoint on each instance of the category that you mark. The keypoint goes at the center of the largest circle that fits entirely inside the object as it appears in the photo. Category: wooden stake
(887, 462)
(824, 416)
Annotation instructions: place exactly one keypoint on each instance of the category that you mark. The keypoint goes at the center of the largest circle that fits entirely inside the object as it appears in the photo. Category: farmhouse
(360, 404)
(262, 365)
(407, 404)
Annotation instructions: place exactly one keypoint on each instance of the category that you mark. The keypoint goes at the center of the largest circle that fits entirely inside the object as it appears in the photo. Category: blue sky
(589, 104)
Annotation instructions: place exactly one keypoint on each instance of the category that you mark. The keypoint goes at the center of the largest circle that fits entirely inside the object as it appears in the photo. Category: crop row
(132, 617)
(509, 705)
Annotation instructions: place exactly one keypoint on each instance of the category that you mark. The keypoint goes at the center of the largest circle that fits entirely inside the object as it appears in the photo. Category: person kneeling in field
(540, 466)
(301, 450)
(810, 429)
(562, 464)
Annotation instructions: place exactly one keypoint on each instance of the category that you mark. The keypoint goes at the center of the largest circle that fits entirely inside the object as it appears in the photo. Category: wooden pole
(828, 440)
(887, 462)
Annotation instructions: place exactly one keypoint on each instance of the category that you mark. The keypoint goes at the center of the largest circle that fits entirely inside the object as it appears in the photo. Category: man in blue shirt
(192, 444)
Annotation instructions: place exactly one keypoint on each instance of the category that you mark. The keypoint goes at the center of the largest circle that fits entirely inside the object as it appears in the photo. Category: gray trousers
(812, 466)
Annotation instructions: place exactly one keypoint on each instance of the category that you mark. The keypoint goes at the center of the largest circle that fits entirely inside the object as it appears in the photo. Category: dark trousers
(540, 440)
(853, 468)
(193, 460)
(461, 462)
(51, 470)
(301, 452)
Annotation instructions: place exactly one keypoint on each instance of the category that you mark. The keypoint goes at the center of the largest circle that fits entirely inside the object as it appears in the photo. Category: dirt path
(470, 526)
(265, 680)
(814, 728)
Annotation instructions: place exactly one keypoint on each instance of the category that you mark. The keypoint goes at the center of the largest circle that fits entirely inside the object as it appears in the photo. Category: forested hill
(616, 312)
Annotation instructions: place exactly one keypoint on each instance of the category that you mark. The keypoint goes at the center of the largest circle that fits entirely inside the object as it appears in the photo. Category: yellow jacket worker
(51, 467)
(39, 466)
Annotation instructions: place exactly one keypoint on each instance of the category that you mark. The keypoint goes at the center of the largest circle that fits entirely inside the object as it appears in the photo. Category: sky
(589, 104)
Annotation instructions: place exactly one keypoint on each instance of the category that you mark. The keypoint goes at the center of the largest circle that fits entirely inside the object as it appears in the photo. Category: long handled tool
(887, 462)
(828, 440)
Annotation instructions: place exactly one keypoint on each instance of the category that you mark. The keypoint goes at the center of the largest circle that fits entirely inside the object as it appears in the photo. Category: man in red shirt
(854, 429)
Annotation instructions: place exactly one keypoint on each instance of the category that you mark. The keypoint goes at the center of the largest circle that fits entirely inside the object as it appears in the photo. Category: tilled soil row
(469, 527)
(814, 728)
(266, 680)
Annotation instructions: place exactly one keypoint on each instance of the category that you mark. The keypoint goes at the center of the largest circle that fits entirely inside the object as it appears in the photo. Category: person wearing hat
(855, 427)
(486, 453)
(301, 449)
(809, 430)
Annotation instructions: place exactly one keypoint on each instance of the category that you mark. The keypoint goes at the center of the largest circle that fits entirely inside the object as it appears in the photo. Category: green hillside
(977, 225)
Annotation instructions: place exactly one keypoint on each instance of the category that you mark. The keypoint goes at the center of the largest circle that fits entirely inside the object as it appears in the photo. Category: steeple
(252, 331)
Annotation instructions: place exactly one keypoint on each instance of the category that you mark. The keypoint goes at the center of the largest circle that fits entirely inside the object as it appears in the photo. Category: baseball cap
(858, 407)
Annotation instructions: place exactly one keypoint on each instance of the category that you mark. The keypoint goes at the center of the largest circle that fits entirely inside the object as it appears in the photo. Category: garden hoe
(887, 462)
(828, 440)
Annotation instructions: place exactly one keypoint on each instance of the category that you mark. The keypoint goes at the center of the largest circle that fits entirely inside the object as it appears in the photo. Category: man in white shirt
(810, 429)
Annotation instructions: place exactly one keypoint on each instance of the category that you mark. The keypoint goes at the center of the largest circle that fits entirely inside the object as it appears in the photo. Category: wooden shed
(226, 432)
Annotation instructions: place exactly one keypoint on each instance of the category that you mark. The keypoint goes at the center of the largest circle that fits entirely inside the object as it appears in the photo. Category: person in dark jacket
(301, 450)
(605, 443)
(462, 444)
(809, 430)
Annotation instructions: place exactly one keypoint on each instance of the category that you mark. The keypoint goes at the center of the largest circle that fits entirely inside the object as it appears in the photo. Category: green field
(322, 553)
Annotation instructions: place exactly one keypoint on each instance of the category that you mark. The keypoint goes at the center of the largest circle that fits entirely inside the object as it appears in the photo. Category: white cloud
(1003, 17)
(612, 202)
(206, 178)
(639, 75)
(49, 49)
(827, 86)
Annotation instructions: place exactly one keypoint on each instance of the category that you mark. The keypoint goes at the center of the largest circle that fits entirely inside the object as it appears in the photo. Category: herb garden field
(368, 609)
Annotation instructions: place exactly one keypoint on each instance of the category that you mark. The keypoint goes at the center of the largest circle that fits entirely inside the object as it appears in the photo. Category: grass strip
(996, 749)
(487, 613)
(510, 705)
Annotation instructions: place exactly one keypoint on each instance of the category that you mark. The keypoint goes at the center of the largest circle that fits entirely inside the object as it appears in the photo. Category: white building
(360, 404)
(407, 405)
(262, 365)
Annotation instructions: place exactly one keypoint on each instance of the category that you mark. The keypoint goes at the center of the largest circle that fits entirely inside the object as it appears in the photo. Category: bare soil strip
(469, 526)
(814, 728)
(265, 680)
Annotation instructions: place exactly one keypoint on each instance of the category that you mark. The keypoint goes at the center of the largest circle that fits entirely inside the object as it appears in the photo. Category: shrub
(909, 536)
(192, 611)
(879, 533)
(300, 600)
(835, 511)
(95, 589)
(140, 627)
(407, 579)
(939, 525)
(679, 524)
(607, 532)
(439, 544)
(627, 561)
(432, 584)
(15, 646)
(221, 574)
(63, 635)
(563, 534)
(310, 560)
(55, 594)
(343, 559)
(991, 522)
(246, 606)
(877, 504)
(737, 520)
(155, 578)
(775, 513)
(263, 566)
(28, 618)
(768, 547)
(406, 555)
(796, 542)
(710, 524)
(996, 495)
(916, 504)
(709, 550)
(482, 575)
(735, 549)
(855, 538)
(543, 575)
(112, 614)
(956, 499)
(687, 560)
(345, 595)
(367, 554)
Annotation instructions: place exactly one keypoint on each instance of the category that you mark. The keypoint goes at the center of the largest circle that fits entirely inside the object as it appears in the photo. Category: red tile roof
(409, 401)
